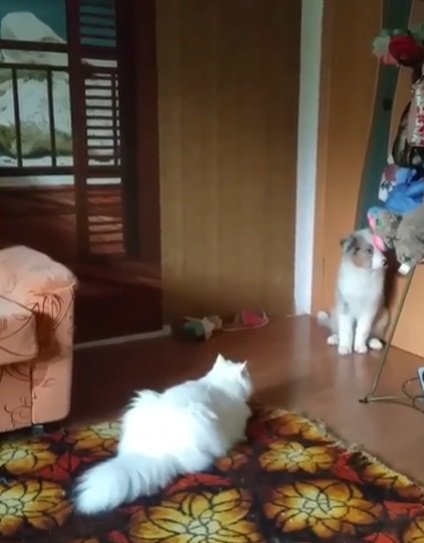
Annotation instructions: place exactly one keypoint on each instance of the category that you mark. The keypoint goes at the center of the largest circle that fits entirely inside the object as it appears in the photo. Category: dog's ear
(348, 243)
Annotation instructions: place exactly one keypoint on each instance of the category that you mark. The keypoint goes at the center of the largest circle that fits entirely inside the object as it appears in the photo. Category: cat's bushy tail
(121, 479)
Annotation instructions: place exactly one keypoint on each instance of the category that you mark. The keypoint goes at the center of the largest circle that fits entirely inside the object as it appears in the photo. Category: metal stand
(412, 394)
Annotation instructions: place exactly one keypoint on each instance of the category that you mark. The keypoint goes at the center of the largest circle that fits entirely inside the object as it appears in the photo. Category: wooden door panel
(228, 98)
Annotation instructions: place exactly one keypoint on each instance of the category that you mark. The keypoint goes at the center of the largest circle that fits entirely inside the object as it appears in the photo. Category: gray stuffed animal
(404, 234)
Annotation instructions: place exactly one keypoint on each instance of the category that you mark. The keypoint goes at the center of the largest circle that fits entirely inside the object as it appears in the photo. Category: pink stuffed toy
(377, 240)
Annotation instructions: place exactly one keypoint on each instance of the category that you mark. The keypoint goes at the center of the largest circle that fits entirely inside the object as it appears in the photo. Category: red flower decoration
(381, 537)
(62, 469)
(117, 537)
(401, 509)
(343, 470)
(257, 431)
(194, 481)
(406, 50)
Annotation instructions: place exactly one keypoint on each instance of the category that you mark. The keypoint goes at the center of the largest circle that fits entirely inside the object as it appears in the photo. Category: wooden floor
(291, 366)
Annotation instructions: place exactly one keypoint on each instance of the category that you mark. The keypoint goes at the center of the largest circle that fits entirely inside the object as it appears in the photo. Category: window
(60, 117)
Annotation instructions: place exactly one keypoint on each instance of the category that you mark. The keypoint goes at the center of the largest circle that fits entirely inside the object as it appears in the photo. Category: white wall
(310, 57)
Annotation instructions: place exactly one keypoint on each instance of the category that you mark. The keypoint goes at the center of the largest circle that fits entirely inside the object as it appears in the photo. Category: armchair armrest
(25, 272)
(42, 285)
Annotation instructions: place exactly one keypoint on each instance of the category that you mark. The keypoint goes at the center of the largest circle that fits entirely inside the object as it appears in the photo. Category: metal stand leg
(371, 397)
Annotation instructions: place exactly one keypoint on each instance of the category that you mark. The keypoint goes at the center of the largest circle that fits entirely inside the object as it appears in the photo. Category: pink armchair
(36, 338)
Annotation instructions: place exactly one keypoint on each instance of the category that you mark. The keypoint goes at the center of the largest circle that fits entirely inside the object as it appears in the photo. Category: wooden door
(228, 97)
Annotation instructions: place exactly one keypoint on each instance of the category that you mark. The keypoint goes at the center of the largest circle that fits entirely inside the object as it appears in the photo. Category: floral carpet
(290, 482)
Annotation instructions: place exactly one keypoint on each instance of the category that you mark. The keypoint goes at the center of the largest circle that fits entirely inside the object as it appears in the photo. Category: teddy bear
(404, 234)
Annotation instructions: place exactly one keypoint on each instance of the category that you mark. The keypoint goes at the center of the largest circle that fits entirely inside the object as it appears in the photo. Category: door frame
(307, 149)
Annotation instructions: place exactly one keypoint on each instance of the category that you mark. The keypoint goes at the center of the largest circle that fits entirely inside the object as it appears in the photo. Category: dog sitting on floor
(359, 319)
(182, 430)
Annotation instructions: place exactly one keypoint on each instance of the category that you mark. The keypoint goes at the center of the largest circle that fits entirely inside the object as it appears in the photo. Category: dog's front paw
(361, 349)
(376, 344)
(343, 350)
(333, 339)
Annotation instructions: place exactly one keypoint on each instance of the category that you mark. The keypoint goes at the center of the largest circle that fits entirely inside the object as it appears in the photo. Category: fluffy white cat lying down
(182, 430)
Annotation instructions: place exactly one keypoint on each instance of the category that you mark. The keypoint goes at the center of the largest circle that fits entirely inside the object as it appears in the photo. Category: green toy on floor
(204, 328)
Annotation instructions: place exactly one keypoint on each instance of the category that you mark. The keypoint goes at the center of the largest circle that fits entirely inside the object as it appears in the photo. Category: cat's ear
(349, 243)
(243, 369)
(219, 360)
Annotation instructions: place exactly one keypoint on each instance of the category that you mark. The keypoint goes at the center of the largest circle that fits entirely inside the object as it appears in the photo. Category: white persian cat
(182, 430)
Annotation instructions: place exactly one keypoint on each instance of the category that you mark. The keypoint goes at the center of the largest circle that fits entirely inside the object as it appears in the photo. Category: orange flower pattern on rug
(25, 457)
(99, 440)
(42, 504)
(292, 456)
(415, 531)
(291, 481)
(194, 518)
(323, 507)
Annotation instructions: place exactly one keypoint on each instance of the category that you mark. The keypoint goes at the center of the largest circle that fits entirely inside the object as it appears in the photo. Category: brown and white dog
(359, 319)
